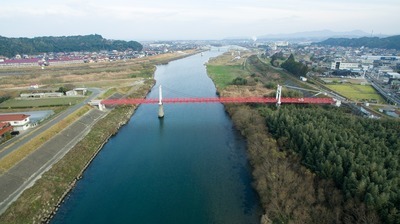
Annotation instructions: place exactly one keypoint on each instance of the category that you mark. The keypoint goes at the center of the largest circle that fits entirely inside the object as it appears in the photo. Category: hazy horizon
(194, 20)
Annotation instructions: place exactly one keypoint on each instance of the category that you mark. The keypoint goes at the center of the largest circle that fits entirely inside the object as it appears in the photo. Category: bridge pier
(160, 111)
(101, 106)
(160, 104)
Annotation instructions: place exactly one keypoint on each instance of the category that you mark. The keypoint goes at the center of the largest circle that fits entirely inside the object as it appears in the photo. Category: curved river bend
(190, 167)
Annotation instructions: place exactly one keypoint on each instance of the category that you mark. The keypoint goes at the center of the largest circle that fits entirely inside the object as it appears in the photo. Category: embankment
(289, 192)
(40, 202)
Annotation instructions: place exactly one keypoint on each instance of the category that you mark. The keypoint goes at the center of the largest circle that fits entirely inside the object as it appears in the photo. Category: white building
(338, 65)
(393, 75)
(20, 122)
(71, 93)
(81, 91)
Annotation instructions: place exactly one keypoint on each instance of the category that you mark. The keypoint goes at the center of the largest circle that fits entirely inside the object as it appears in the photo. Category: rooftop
(13, 117)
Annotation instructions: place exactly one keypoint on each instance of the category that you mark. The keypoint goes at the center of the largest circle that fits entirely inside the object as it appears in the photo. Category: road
(18, 141)
(385, 94)
(24, 174)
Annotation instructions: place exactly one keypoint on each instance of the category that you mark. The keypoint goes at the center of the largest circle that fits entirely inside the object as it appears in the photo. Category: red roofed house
(4, 128)
(20, 122)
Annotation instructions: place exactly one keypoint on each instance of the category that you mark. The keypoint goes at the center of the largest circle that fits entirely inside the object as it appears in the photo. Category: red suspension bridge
(278, 100)
(267, 100)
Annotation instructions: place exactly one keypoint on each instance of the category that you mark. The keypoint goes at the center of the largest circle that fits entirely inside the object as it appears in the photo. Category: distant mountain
(314, 35)
(9, 47)
(392, 42)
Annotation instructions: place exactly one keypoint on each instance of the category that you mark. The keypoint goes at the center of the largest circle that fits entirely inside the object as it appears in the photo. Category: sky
(194, 19)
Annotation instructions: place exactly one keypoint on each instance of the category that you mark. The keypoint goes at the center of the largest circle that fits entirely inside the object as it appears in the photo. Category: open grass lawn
(224, 75)
(225, 68)
(357, 92)
(26, 103)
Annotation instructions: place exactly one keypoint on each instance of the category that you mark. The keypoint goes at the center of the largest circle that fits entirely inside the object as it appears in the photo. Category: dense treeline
(289, 192)
(360, 155)
(296, 68)
(9, 47)
(392, 42)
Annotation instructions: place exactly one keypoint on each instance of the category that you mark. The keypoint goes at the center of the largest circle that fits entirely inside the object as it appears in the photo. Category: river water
(190, 167)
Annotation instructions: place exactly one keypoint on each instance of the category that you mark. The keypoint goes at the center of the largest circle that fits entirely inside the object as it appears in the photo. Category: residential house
(20, 122)
(4, 128)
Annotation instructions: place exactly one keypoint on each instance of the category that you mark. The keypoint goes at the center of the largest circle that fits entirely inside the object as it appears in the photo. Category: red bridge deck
(269, 100)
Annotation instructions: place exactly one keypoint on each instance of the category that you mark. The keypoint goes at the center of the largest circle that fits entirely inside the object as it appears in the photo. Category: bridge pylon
(160, 104)
(278, 95)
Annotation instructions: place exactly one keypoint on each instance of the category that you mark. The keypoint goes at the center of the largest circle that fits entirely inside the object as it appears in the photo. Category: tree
(296, 68)
(239, 81)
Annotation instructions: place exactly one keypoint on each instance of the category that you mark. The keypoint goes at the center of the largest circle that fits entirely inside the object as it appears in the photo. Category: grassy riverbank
(289, 192)
(38, 203)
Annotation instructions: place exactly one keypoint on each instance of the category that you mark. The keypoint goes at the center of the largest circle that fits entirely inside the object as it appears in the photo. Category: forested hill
(392, 42)
(9, 47)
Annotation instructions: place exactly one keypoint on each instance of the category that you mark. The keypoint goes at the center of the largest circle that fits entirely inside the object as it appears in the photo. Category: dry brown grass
(77, 74)
(246, 91)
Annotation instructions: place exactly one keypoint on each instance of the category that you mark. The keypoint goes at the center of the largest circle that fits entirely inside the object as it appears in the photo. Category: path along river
(190, 167)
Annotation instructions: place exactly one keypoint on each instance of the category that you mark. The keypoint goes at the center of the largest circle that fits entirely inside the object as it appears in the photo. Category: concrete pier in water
(160, 104)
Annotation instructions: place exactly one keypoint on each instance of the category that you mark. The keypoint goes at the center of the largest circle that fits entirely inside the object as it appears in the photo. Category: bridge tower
(278, 95)
(160, 104)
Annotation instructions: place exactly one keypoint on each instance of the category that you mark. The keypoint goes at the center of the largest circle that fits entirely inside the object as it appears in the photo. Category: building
(393, 75)
(338, 65)
(20, 122)
(81, 91)
(41, 95)
(4, 128)
(71, 93)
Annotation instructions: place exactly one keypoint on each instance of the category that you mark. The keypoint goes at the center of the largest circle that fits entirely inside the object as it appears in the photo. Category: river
(190, 167)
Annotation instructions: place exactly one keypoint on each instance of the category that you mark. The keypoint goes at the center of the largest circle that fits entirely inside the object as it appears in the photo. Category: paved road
(25, 173)
(18, 141)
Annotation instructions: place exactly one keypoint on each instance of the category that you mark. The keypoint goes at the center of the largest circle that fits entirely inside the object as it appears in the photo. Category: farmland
(357, 92)
(48, 102)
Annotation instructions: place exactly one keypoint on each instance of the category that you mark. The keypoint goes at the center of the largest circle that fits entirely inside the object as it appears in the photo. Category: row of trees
(9, 47)
(360, 155)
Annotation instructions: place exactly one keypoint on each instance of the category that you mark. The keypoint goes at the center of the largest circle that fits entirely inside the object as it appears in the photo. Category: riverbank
(40, 202)
(289, 192)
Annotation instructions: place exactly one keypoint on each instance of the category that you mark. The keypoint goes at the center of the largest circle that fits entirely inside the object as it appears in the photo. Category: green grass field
(357, 92)
(223, 75)
(48, 102)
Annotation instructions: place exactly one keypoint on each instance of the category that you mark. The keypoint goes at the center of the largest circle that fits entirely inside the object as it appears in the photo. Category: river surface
(190, 167)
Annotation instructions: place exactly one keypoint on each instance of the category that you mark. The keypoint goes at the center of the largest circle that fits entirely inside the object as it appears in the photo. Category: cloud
(187, 18)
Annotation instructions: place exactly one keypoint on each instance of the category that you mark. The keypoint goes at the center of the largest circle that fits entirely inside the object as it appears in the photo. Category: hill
(392, 42)
(317, 35)
(9, 47)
